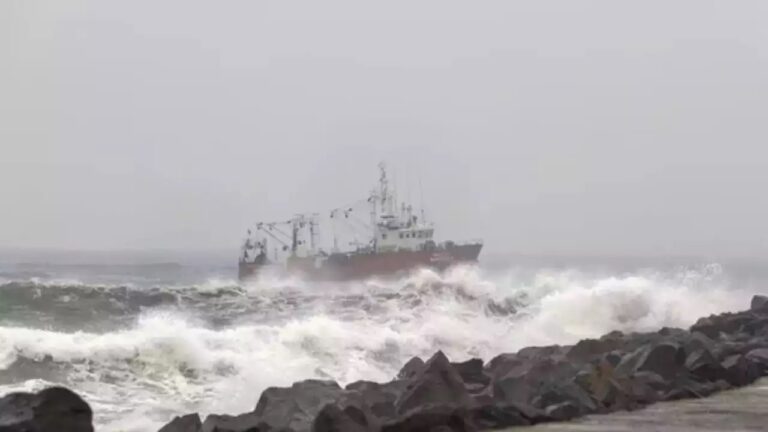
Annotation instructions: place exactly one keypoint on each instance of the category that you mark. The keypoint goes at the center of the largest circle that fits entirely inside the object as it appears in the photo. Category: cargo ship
(394, 240)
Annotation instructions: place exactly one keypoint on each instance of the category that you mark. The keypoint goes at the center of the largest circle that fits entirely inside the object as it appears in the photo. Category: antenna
(421, 192)
(407, 189)
(393, 205)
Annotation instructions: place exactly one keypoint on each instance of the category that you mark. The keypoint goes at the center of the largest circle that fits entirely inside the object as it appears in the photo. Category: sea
(145, 336)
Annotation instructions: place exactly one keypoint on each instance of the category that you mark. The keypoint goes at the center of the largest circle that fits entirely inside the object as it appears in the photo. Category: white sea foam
(169, 363)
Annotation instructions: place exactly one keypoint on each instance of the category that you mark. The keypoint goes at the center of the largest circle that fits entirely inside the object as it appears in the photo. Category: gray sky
(540, 126)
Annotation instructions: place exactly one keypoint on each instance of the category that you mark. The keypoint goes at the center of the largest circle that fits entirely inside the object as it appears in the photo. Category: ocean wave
(214, 347)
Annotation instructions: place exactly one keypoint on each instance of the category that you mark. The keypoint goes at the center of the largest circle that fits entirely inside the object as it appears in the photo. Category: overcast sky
(543, 127)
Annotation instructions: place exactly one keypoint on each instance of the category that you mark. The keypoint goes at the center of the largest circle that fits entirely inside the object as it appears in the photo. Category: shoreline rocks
(536, 384)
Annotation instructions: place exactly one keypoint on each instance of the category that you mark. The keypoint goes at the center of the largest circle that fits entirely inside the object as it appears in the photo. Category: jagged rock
(759, 303)
(600, 381)
(545, 352)
(729, 348)
(411, 368)
(380, 397)
(759, 357)
(561, 392)
(665, 359)
(295, 407)
(349, 414)
(728, 323)
(691, 389)
(562, 411)
(739, 371)
(703, 364)
(486, 417)
(433, 418)
(521, 383)
(437, 383)
(471, 372)
(589, 349)
(502, 364)
(673, 332)
(187, 423)
(696, 341)
(248, 422)
(55, 409)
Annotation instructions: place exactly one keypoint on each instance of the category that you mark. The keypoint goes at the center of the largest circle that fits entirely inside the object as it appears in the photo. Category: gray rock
(694, 390)
(411, 368)
(560, 392)
(759, 356)
(665, 359)
(349, 414)
(472, 372)
(486, 417)
(433, 418)
(740, 371)
(55, 409)
(759, 303)
(438, 383)
(590, 349)
(703, 364)
(502, 364)
(521, 384)
(187, 423)
(728, 323)
(248, 422)
(380, 398)
(562, 412)
(295, 407)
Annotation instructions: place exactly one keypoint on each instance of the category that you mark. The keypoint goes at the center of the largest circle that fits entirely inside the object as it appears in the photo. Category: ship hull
(357, 266)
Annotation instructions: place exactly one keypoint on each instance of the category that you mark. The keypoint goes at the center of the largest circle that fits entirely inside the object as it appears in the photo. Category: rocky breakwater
(537, 384)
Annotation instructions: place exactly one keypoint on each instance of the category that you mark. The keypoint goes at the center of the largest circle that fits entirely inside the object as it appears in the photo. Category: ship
(396, 239)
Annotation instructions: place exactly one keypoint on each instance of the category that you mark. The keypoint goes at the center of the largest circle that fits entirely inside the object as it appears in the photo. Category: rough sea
(144, 339)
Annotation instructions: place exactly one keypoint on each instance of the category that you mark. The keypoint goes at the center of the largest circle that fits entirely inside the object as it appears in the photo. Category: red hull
(355, 266)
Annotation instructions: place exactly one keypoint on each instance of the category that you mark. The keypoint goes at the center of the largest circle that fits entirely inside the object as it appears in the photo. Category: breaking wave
(142, 355)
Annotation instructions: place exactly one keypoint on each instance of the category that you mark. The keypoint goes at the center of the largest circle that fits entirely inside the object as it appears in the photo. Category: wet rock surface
(617, 372)
(54, 409)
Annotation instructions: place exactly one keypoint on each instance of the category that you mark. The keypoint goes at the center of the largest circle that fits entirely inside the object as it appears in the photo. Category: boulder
(487, 417)
(433, 418)
(472, 372)
(380, 398)
(187, 423)
(502, 364)
(521, 384)
(545, 352)
(759, 303)
(590, 349)
(644, 388)
(600, 382)
(728, 323)
(688, 389)
(55, 409)
(665, 359)
(295, 407)
(759, 357)
(562, 412)
(740, 371)
(349, 414)
(411, 368)
(703, 364)
(673, 332)
(437, 383)
(561, 392)
(757, 327)
(248, 422)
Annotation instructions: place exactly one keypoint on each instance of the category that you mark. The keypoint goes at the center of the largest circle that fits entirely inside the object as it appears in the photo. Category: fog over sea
(144, 337)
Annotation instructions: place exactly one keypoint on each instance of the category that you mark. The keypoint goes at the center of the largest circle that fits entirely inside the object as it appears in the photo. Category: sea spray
(214, 346)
